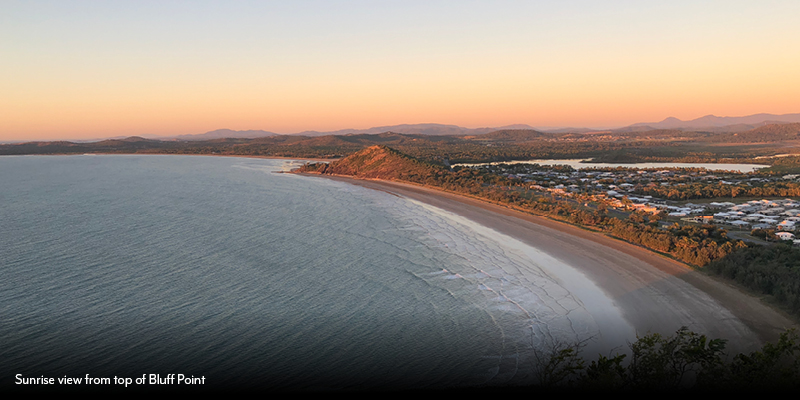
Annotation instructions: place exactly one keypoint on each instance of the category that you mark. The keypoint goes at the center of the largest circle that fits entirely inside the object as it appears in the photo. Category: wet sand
(654, 293)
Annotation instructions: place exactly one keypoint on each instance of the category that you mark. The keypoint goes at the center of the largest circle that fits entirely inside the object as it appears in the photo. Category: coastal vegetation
(771, 270)
(784, 165)
(717, 190)
(683, 361)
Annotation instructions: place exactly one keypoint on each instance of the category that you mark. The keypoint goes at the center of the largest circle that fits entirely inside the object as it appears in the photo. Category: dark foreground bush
(684, 361)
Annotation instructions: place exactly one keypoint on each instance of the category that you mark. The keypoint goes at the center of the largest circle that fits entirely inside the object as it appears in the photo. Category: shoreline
(656, 294)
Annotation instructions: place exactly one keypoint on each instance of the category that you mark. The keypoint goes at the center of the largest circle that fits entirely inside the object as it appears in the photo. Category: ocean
(215, 267)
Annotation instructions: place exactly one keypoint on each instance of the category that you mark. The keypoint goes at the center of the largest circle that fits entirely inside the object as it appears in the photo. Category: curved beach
(654, 294)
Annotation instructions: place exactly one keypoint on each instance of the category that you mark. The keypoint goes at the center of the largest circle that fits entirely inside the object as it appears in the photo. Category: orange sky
(88, 70)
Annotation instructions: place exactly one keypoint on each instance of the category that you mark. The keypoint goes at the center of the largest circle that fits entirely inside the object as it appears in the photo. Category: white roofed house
(721, 217)
(786, 225)
(785, 235)
(740, 224)
(774, 210)
(769, 222)
(702, 219)
(791, 203)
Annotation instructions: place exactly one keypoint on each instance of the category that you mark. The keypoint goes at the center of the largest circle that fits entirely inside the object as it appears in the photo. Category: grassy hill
(377, 162)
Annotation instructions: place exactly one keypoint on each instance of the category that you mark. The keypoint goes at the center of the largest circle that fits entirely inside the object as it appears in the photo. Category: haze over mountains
(222, 133)
(410, 129)
(714, 123)
(709, 123)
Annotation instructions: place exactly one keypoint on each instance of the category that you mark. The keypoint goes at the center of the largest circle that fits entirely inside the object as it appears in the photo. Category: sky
(93, 69)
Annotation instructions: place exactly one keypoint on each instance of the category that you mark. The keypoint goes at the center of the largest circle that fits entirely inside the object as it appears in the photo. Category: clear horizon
(85, 70)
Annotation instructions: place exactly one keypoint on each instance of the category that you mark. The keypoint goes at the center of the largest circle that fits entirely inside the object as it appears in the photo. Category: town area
(727, 199)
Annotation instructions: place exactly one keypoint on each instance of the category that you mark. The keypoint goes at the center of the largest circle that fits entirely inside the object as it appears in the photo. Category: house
(740, 224)
(785, 235)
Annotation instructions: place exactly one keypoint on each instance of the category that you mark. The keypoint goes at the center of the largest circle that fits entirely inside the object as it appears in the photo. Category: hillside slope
(766, 133)
(376, 162)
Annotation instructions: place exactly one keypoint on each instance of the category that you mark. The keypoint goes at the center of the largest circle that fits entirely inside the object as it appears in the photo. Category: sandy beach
(654, 293)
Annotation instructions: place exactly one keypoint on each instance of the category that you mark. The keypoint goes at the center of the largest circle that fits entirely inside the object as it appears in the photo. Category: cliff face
(376, 162)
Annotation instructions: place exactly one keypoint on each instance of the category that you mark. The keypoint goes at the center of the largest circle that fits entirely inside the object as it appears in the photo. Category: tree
(558, 365)
(775, 367)
(659, 362)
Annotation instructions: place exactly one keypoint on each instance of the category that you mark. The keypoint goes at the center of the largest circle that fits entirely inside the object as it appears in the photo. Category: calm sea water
(218, 267)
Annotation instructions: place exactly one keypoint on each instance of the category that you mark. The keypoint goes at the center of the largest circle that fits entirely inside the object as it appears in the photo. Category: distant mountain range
(417, 129)
(496, 145)
(713, 123)
(222, 134)
(409, 129)
(709, 123)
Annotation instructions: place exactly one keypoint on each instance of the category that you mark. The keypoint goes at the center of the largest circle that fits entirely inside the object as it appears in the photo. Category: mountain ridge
(705, 125)
(710, 123)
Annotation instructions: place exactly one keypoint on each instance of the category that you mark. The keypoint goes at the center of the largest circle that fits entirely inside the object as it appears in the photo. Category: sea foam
(538, 301)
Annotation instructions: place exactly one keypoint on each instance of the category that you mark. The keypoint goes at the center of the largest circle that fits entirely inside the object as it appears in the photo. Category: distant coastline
(168, 154)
